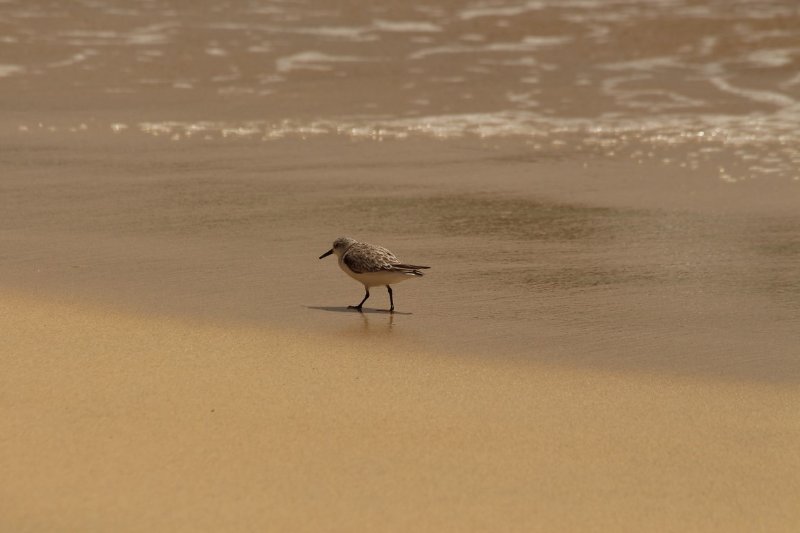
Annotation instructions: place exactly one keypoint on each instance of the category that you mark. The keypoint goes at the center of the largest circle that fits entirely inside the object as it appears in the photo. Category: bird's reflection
(372, 325)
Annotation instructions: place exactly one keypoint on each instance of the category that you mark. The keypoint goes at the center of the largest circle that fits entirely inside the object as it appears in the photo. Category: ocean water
(683, 83)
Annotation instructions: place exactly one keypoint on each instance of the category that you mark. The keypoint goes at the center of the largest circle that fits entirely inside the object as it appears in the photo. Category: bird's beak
(326, 254)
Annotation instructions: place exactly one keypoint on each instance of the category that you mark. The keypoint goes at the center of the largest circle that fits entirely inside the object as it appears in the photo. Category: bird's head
(340, 245)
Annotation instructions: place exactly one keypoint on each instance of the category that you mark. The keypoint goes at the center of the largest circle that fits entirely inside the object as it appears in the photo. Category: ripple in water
(670, 80)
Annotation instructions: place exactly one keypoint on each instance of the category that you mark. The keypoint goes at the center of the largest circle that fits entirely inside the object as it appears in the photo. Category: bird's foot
(356, 307)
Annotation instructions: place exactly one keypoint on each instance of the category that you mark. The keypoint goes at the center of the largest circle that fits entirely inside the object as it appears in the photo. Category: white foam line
(776, 57)
(405, 26)
(10, 70)
(767, 97)
(312, 60)
(528, 44)
(500, 11)
(80, 57)
(649, 63)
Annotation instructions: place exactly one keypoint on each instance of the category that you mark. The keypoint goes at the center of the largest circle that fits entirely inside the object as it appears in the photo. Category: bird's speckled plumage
(361, 257)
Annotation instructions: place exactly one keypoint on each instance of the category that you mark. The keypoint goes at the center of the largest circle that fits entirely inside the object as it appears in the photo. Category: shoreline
(695, 283)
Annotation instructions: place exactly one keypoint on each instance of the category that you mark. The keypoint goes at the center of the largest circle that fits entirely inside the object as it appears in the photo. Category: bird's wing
(362, 258)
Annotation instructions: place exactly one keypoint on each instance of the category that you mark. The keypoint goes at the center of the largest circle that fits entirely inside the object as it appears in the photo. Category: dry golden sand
(117, 422)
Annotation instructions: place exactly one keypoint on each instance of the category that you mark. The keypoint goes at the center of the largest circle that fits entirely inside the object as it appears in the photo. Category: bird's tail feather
(410, 267)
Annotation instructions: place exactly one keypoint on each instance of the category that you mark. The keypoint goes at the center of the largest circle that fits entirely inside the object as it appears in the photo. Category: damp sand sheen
(607, 193)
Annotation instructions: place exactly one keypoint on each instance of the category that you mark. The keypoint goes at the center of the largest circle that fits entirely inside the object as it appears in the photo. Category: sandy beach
(607, 194)
(126, 422)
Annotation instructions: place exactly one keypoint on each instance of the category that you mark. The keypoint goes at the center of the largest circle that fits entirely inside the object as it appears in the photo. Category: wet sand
(583, 262)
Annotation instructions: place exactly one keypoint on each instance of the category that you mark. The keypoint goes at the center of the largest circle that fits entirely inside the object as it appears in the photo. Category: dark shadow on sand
(363, 310)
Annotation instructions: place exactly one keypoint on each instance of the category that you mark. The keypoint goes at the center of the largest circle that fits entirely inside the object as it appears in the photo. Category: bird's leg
(362, 301)
(391, 300)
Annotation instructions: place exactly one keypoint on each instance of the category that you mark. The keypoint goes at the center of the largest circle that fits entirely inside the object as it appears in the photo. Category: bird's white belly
(373, 279)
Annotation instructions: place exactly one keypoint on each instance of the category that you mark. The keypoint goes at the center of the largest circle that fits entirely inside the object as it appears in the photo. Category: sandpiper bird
(371, 265)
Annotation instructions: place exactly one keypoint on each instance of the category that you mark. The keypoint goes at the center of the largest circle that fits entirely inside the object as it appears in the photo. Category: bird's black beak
(326, 254)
